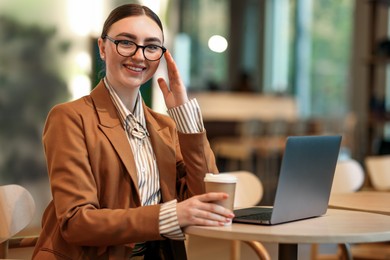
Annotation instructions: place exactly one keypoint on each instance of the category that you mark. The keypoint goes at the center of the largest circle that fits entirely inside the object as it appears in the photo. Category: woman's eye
(152, 47)
(126, 43)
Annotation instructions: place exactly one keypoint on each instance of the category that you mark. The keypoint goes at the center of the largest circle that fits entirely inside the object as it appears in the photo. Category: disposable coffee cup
(222, 182)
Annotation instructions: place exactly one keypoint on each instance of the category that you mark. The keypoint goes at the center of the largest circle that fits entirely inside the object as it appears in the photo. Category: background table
(336, 226)
(369, 201)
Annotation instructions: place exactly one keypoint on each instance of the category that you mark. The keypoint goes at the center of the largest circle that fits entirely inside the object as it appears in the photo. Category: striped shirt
(188, 119)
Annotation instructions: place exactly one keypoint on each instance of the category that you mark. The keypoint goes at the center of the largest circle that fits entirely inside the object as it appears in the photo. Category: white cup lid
(222, 178)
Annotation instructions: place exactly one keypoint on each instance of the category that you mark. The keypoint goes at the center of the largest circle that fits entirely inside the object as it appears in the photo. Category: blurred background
(259, 68)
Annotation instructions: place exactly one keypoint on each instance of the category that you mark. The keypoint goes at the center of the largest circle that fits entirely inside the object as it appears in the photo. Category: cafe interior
(261, 70)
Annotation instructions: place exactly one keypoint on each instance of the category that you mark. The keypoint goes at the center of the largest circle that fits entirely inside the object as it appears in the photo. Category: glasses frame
(117, 42)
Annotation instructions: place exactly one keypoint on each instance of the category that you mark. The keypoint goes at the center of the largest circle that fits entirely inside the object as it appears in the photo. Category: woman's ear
(102, 50)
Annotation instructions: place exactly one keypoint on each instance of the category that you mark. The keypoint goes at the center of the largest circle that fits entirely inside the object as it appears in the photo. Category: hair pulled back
(128, 10)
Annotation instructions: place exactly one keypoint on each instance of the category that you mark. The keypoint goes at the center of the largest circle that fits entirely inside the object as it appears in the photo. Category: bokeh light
(218, 43)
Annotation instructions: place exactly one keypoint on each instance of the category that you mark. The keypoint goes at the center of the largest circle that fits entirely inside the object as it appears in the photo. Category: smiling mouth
(136, 69)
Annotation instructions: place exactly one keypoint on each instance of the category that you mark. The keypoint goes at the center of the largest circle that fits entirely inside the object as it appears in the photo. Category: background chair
(349, 176)
(249, 191)
(378, 169)
(17, 209)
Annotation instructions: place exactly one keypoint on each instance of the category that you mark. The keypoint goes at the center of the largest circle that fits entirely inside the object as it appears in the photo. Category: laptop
(304, 185)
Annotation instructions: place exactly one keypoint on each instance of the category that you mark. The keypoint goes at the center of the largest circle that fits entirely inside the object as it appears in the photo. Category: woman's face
(130, 72)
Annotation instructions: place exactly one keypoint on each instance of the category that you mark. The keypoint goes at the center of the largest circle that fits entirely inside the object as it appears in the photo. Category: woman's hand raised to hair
(200, 210)
(176, 94)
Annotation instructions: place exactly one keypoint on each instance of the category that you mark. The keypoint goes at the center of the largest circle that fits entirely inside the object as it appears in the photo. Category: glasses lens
(126, 48)
(153, 52)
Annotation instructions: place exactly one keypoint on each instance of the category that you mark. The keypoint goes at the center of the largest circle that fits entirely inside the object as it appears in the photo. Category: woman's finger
(212, 196)
(173, 72)
(175, 82)
(206, 218)
(163, 86)
(201, 210)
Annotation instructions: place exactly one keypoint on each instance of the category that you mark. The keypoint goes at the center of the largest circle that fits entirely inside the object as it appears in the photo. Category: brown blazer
(95, 212)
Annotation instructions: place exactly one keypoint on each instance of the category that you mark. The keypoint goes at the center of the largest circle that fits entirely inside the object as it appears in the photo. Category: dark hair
(127, 10)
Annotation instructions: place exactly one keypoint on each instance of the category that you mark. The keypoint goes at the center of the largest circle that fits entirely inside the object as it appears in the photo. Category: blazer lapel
(112, 127)
(165, 155)
(160, 137)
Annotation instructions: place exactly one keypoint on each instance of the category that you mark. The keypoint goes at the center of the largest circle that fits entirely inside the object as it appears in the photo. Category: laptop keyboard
(258, 216)
(253, 213)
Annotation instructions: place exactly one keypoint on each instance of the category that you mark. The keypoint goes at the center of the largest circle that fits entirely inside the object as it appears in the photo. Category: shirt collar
(128, 119)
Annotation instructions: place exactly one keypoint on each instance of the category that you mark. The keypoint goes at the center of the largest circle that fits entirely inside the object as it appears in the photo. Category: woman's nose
(138, 54)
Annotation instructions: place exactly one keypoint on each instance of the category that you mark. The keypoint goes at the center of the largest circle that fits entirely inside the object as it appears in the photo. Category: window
(318, 53)
(200, 21)
(292, 47)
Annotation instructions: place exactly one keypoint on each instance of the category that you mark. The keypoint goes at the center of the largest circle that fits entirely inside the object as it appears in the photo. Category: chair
(348, 177)
(378, 169)
(249, 191)
(17, 209)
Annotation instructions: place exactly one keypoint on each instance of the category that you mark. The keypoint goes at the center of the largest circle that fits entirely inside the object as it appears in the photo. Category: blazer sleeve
(195, 159)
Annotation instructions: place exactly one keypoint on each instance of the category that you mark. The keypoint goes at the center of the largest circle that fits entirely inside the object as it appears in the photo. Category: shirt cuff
(188, 117)
(169, 225)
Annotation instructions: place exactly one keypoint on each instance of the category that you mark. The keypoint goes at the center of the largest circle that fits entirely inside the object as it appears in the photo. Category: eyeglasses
(128, 48)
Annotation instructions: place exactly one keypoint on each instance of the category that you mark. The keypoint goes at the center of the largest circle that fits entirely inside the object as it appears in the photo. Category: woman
(126, 180)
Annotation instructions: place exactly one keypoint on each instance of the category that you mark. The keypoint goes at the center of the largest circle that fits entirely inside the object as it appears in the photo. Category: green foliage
(29, 86)
(331, 35)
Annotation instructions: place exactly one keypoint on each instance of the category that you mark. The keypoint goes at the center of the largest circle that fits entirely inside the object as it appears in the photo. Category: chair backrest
(249, 189)
(349, 176)
(17, 209)
(378, 169)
